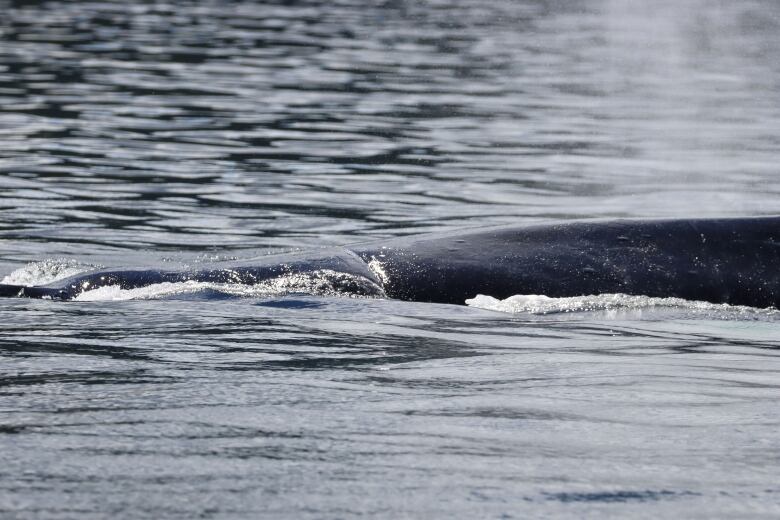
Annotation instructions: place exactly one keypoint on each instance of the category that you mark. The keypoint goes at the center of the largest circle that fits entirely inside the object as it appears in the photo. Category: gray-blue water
(135, 133)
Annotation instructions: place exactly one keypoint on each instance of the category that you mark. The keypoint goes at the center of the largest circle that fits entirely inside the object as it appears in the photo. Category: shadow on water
(619, 496)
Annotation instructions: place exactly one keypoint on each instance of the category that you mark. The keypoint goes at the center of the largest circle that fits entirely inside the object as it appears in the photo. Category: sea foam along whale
(730, 260)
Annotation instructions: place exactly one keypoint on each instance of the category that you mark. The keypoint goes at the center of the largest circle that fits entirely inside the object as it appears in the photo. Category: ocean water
(172, 134)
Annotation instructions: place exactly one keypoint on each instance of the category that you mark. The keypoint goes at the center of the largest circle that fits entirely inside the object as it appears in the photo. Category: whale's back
(719, 260)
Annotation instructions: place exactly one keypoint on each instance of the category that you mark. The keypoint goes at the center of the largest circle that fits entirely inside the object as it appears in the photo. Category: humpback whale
(727, 260)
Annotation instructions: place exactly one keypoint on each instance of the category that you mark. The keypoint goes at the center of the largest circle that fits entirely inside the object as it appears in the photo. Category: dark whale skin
(735, 261)
(729, 260)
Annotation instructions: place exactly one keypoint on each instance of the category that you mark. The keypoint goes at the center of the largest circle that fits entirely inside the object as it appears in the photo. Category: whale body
(729, 260)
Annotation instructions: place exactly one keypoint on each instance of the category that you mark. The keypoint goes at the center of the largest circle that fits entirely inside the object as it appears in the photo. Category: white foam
(46, 271)
(378, 269)
(540, 304)
(322, 283)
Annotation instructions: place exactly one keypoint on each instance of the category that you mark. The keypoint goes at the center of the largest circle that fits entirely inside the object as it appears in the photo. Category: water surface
(153, 133)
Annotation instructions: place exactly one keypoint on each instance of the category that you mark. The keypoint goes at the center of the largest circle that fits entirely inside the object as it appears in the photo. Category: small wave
(320, 283)
(46, 271)
(540, 304)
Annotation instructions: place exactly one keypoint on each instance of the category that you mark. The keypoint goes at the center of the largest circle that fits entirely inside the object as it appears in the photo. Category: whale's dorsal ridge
(733, 260)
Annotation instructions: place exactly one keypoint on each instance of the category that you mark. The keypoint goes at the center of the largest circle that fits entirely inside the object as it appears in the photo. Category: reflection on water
(372, 407)
(148, 132)
(235, 124)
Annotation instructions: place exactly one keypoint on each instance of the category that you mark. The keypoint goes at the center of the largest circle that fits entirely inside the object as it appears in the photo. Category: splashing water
(320, 283)
(46, 271)
(540, 304)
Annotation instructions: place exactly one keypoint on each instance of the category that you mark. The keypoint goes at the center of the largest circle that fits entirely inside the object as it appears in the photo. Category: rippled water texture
(135, 133)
